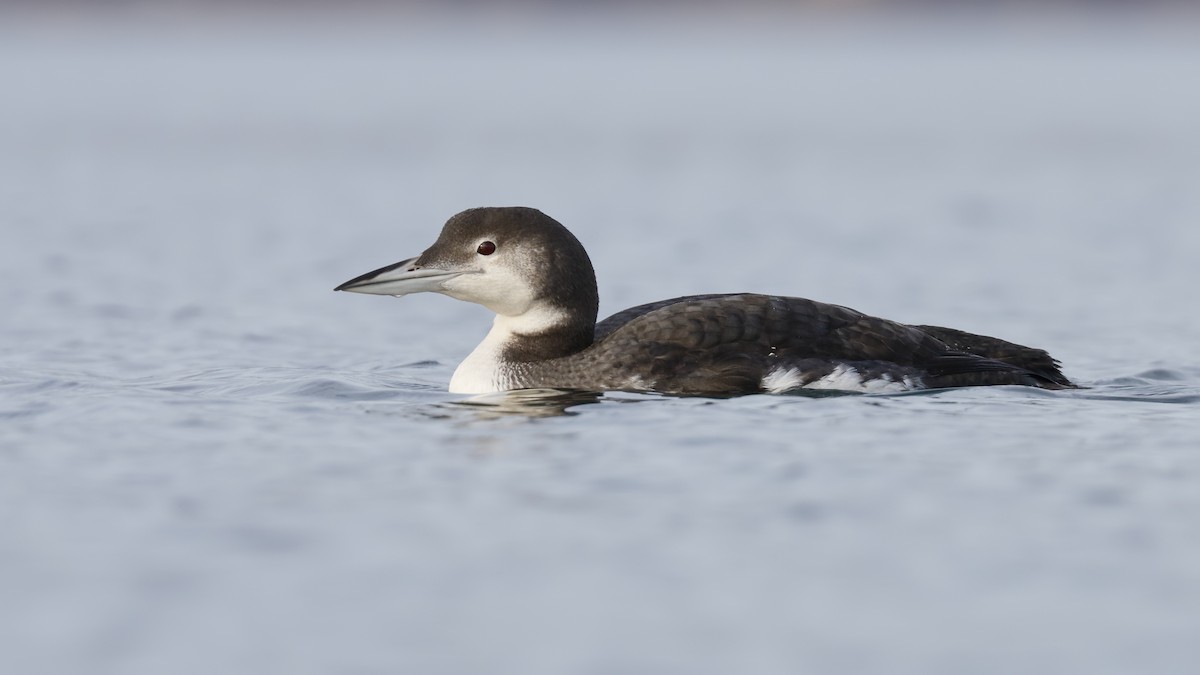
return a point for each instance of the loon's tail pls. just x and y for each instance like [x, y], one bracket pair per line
[1043, 368]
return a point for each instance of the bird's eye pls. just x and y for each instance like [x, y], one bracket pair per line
[486, 248]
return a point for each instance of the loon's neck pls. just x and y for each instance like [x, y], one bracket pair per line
[538, 335]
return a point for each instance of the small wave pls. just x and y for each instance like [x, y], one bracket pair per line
[1164, 375]
[427, 363]
[30, 410]
[1144, 396]
[337, 389]
[1156, 385]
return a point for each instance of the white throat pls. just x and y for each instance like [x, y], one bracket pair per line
[483, 371]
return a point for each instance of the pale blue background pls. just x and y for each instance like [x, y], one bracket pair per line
[209, 462]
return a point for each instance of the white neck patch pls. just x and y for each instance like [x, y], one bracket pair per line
[483, 371]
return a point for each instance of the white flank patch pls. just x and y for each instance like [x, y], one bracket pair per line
[843, 378]
[780, 380]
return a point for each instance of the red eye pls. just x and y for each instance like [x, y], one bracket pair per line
[486, 248]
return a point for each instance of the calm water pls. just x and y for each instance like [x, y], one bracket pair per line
[209, 462]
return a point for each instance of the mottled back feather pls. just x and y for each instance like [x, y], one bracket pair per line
[706, 343]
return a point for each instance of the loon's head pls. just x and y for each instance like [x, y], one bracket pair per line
[516, 261]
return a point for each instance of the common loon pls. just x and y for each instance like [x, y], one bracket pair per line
[536, 276]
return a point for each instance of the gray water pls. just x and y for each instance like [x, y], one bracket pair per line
[211, 463]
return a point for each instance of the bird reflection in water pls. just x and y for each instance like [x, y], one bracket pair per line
[530, 402]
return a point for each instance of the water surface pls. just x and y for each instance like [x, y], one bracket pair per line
[209, 462]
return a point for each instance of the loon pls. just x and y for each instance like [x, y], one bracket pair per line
[536, 276]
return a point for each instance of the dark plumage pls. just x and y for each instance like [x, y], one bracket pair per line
[702, 344]
[728, 344]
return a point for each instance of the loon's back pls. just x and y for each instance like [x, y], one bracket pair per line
[746, 342]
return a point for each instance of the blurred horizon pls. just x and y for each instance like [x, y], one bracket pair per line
[217, 8]
[748, 21]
